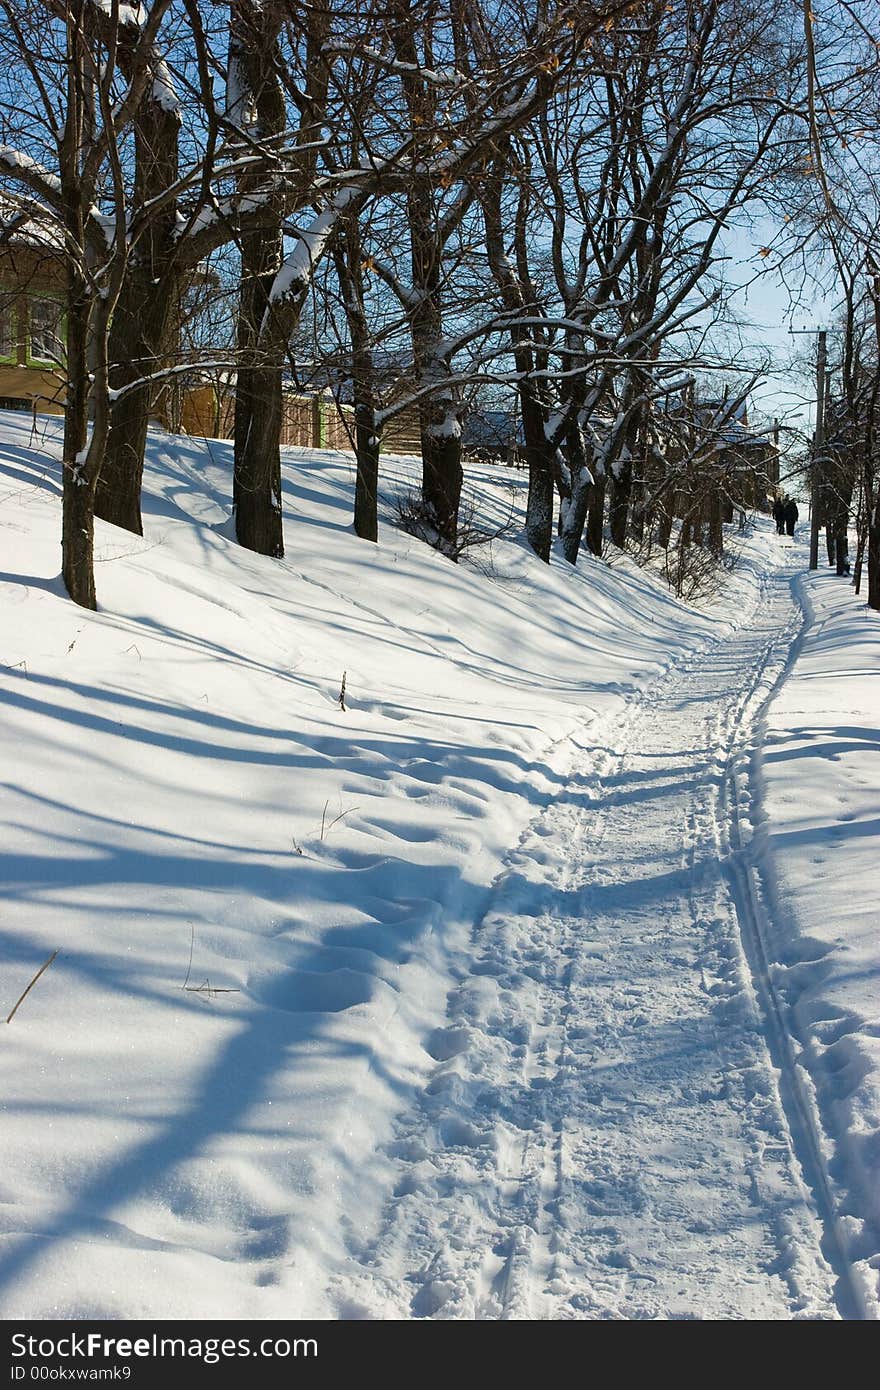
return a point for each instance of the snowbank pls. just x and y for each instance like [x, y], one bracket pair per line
[260, 900]
[821, 773]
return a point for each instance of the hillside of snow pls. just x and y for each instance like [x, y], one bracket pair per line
[262, 900]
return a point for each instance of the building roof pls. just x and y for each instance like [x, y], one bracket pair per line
[24, 224]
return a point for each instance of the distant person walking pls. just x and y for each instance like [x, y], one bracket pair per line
[791, 515]
[779, 516]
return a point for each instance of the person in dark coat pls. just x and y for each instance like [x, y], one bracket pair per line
[791, 515]
[779, 516]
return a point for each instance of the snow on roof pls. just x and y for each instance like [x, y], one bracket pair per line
[24, 223]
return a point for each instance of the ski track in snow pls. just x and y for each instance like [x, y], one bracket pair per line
[616, 1127]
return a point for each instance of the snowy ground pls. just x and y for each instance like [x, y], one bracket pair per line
[523, 947]
[817, 825]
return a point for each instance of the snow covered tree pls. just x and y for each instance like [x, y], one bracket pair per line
[147, 310]
[832, 209]
[635, 169]
[69, 103]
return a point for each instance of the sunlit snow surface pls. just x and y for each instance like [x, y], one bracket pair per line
[275, 917]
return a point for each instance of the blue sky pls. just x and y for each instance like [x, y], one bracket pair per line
[770, 308]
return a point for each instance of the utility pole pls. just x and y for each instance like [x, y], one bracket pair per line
[818, 438]
[818, 449]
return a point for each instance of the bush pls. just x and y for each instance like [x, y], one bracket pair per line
[415, 517]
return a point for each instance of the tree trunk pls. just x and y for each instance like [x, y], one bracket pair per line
[843, 500]
[254, 65]
[442, 473]
[664, 518]
[637, 521]
[347, 255]
[841, 542]
[582, 495]
[540, 452]
[539, 508]
[77, 488]
[596, 516]
[78, 492]
[715, 532]
[146, 321]
[438, 416]
[142, 326]
[256, 479]
[442, 477]
[621, 490]
[582, 490]
[366, 488]
[87, 334]
[118, 493]
[540, 455]
[874, 559]
[78, 537]
[258, 518]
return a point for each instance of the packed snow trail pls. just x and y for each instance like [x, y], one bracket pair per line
[614, 1128]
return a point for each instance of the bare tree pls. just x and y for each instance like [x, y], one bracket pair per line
[75, 105]
[833, 210]
[616, 267]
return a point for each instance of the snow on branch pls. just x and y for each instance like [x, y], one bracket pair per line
[29, 171]
[39, 180]
[298, 267]
[436, 77]
[182, 369]
[162, 89]
[129, 16]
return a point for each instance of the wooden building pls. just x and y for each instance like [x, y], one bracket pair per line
[32, 359]
[32, 373]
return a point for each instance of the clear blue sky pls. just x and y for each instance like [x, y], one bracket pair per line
[772, 305]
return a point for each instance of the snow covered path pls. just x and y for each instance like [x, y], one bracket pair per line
[276, 1070]
[613, 1128]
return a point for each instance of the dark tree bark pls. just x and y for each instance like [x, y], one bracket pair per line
[265, 325]
[347, 255]
[874, 559]
[664, 518]
[583, 490]
[714, 529]
[440, 427]
[620, 462]
[78, 474]
[254, 61]
[596, 516]
[540, 452]
[870, 483]
[258, 524]
[366, 489]
[442, 473]
[256, 485]
[78, 487]
[88, 380]
[618, 511]
[95, 272]
[637, 516]
[146, 322]
[540, 460]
